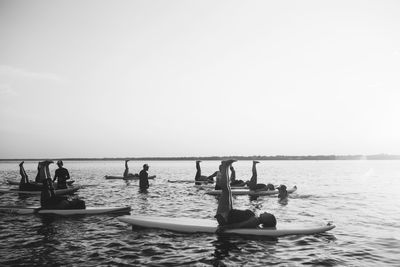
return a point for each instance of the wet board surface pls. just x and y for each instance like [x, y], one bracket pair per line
[13, 182]
[57, 192]
[88, 210]
[189, 225]
[111, 177]
[238, 192]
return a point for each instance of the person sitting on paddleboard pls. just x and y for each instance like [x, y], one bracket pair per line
[126, 172]
[199, 177]
[48, 198]
[228, 217]
[144, 178]
[24, 183]
[62, 175]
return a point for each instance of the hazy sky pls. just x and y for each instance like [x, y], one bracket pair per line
[199, 78]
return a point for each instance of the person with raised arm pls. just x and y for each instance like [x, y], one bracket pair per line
[229, 218]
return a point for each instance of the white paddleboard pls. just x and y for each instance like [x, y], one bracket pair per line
[190, 181]
[58, 192]
[249, 192]
[88, 210]
[188, 225]
[13, 182]
[112, 177]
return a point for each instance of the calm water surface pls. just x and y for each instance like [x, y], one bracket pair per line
[360, 197]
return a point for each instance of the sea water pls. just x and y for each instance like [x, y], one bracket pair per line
[360, 197]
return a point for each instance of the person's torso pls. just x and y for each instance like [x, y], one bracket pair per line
[62, 174]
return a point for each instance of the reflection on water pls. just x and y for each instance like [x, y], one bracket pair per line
[352, 194]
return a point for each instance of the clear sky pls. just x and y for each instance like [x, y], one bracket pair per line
[199, 78]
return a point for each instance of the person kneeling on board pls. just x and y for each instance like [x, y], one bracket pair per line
[24, 183]
[48, 198]
[229, 218]
[202, 178]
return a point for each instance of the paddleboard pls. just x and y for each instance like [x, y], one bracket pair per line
[190, 181]
[188, 225]
[58, 192]
[11, 182]
[208, 186]
[110, 177]
[87, 211]
[239, 192]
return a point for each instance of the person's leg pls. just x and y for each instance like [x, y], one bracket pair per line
[225, 200]
[198, 170]
[253, 179]
[24, 176]
[126, 172]
[47, 170]
[233, 174]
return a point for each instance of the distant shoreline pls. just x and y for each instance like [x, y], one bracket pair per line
[278, 157]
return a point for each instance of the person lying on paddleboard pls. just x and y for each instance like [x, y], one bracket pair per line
[37, 178]
[48, 198]
[228, 217]
[127, 173]
[253, 185]
[235, 182]
[25, 184]
[62, 175]
[200, 177]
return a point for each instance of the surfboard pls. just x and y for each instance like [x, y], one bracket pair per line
[239, 192]
[11, 182]
[111, 177]
[208, 186]
[188, 225]
[189, 181]
[69, 190]
[87, 211]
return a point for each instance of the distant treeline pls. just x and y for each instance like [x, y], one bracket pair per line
[278, 157]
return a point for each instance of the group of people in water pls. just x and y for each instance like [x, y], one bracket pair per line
[143, 176]
[251, 184]
[226, 215]
[45, 184]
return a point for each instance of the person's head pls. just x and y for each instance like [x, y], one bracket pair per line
[282, 188]
[145, 167]
[267, 219]
[60, 163]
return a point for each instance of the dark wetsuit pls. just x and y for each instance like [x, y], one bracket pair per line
[49, 200]
[62, 175]
[235, 216]
[143, 180]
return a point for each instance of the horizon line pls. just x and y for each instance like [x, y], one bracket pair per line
[254, 157]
